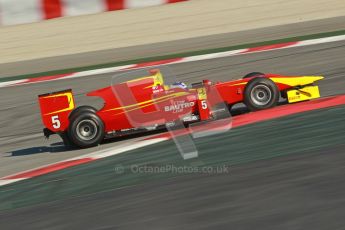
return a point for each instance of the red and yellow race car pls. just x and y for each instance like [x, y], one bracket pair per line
[147, 103]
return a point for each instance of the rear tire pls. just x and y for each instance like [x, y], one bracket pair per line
[86, 129]
[83, 108]
[261, 93]
[65, 138]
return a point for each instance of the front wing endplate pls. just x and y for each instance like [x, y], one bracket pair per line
[303, 94]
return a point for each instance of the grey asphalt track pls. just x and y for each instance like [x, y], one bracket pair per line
[295, 192]
[236, 201]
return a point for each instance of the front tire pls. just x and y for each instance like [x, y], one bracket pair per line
[261, 93]
[86, 129]
[254, 74]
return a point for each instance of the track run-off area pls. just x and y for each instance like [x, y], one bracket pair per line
[274, 164]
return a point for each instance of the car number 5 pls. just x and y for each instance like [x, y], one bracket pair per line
[56, 122]
[204, 104]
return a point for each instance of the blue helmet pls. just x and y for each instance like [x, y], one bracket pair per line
[179, 84]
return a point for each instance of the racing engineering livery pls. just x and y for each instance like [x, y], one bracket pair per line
[147, 103]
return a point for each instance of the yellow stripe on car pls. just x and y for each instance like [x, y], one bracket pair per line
[70, 102]
[296, 81]
[144, 104]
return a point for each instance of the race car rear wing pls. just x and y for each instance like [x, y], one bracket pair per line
[55, 109]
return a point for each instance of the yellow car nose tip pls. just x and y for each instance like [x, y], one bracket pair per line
[315, 78]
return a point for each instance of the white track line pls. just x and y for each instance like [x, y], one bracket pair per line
[184, 60]
[112, 151]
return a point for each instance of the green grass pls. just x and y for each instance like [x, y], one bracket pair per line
[176, 55]
[296, 134]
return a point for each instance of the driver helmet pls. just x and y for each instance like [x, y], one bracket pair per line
[179, 84]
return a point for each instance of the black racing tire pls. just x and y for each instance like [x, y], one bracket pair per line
[65, 138]
[254, 74]
[83, 108]
[261, 93]
[86, 129]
